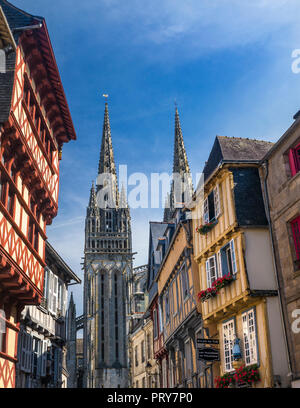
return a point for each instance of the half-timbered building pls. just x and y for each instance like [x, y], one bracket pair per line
[34, 124]
[157, 230]
[178, 280]
[239, 292]
[42, 345]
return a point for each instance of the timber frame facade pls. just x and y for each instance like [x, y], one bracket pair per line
[178, 280]
[34, 124]
[239, 296]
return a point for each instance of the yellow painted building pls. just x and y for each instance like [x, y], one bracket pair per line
[238, 297]
[178, 281]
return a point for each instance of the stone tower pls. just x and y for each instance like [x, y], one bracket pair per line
[107, 270]
[182, 185]
[71, 344]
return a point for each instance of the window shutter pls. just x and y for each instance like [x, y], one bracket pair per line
[29, 354]
[217, 201]
[233, 257]
[50, 290]
[216, 268]
[55, 294]
[219, 264]
[44, 358]
[296, 235]
[293, 163]
[206, 211]
[208, 274]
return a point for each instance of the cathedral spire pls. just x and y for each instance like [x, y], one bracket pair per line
[180, 164]
[180, 194]
[107, 163]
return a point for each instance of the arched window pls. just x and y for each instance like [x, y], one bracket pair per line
[2, 331]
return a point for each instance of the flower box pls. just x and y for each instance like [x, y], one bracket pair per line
[204, 229]
[216, 287]
[242, 376]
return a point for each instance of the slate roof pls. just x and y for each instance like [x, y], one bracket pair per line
[18, 18]
[235, 149]
[157, 230]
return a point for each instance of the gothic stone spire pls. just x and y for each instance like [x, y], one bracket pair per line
[180, 164]
[107, 162]
[180, 167]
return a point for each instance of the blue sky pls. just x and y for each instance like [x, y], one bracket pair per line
[227, 63]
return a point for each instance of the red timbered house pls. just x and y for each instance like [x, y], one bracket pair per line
[35, 122]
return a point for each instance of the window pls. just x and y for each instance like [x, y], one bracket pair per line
[228, 339]
[2, 331]
[249, 333]
[148, 346]
[212, 206]
[188, 360]
[155, 324]
[185, 282]
[294, 157]
[211, 271]
[295, 224]
[167, 307]
[217, 201]
[143, 382]
[143, 351]
[26, 353]
[136, 356]
[228, 259]
[36, 354]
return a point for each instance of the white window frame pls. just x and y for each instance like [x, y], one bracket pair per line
[233, 257]
[217, 202]
[211, 277]
[229, 334]
[250, 337]
[206, 211]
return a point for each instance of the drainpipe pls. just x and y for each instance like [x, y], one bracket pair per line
[268, 213]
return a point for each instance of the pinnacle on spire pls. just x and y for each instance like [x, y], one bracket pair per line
[167, 215]
[123, 199]
[93, 200]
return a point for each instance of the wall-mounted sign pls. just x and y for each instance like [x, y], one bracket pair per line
[207, 341]
[208, 354]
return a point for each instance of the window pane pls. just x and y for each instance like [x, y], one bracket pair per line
[296, 235]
